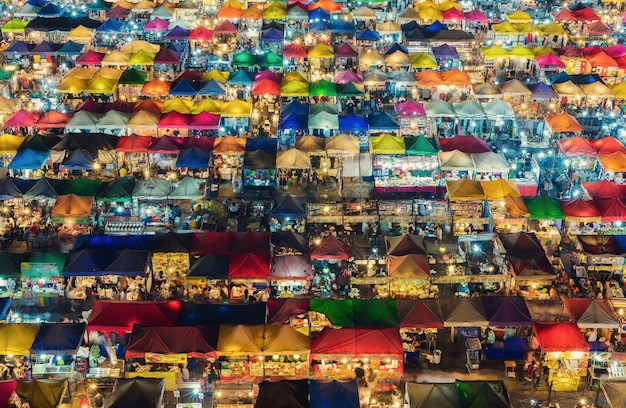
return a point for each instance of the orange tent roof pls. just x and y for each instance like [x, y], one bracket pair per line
[614, 162]
[229, 145]
[456, 77]
[229, 11]
[327, 5]
[156, 87]
[72, 206]
[428, 78]
[563, 122]
[601, 59]
[149, 105]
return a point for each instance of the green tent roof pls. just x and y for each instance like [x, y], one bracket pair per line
[323, 88]
[84, 187]
[37, 272]
[243, 59]
[270, 59]
[14, 26]
[4, 75]
[117, 190]
[133, 77]
[357, 312]
[544, 208]
[350, 89]
[11, 264]
[419, 146]
[98, 5]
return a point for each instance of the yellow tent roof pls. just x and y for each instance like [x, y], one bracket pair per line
[142, 57]
[430, 14]
[397, 58]
[528, 28]
[80, 34]
[140, 45]
[493, 52]
[449, 5]
[619, 90]
[125, 4]
[237, 109]
[240, 340]
[515, 206]
[388, 144]
[294, 88]
[233, 3]
[551, 28]
[82, 73]
[72, 85]
[100, 85]
[499, 188]
[17, 338]
[371, 57]
[144, 5]
[423, 60]
[522, 52]
[115, 58]
[465, 190]
[255, 11]
[108, 73]
[519, 16]
[219, 76]
[321, 50]
[143, 119]
[504, 28]
[208, 105]
[275, 11]
[543, 50]
[10, 143]
[294, 75]
[426, 4]
[180, 105]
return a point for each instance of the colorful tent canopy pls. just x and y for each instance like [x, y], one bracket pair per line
[560, 337]
[121, 316]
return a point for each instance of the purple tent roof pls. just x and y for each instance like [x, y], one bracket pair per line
[177, 33]
[445, 51]
[505, 311]
[347, 76]
[167, 57]
[156, 24]
[346, 51]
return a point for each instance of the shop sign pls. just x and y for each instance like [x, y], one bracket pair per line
[166, 358]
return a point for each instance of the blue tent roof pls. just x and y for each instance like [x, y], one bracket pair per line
[193, 158]
[415, 34]
[333, 393]
[560, 78]
[50, 10]
[396, 47]
[261, 143]
[272, 35]
[110, 26]
[342, 26]
[78, 159]
[183, 87]
[319, 14]
[38, 3]
[70, 48]
[128, 262]
[177, 33]
[318, 26]
[410, 26]
[367, 35]
[58, 338]
[288, 207]
[586, 79]
[113, 243]
[296, 107]
[8, 189]
[353, 123]
[436, 26]
[193, 314]
[383, 121]
[212, 87]
[29, 159]
[5, 304]
[241, 77]
[86, 262]
[294, 121]
[19, 48]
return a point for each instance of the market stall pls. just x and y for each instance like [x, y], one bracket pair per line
[565, 353]
[467, 206]
[55, 348]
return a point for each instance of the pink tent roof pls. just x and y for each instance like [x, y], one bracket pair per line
[549, 60]
[204, 120]
[174, 119]
[585, 14]
[616, 51]
[576, 146]
[466, 144]
[410, 109]
[267, 74]
[226, 27]
[90, 58]
[346, 51]
[453, 14]
[167, 57]
[351, 342]
[156, 24]
[564, 15]
[165, 145]
[347, 76]
[201, 34]
[22, 118]
[476, 16]
[90, 105]
[296, 51]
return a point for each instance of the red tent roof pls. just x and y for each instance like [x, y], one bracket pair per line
[201, 34]
[249, 266]
[602, 189]
[214, 243]
[296, 51]
[90, 105]
[330, 249]
[453, 15]
[425, 314]
[608, 145]
[564, 14]
[174, 119]
[357, 342]
[585, 14]
[110, 315]
[612, 209]
[194, 341]
[577, 307]
[279, 310]
[466, 144]
[562, 336]
[199, 142]
[7, 388]
[576, 146]
[251, 242]
[204, 120]
[265, 86]
[133, 144]
[53, 119]
[165, 145]
[580, 208]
